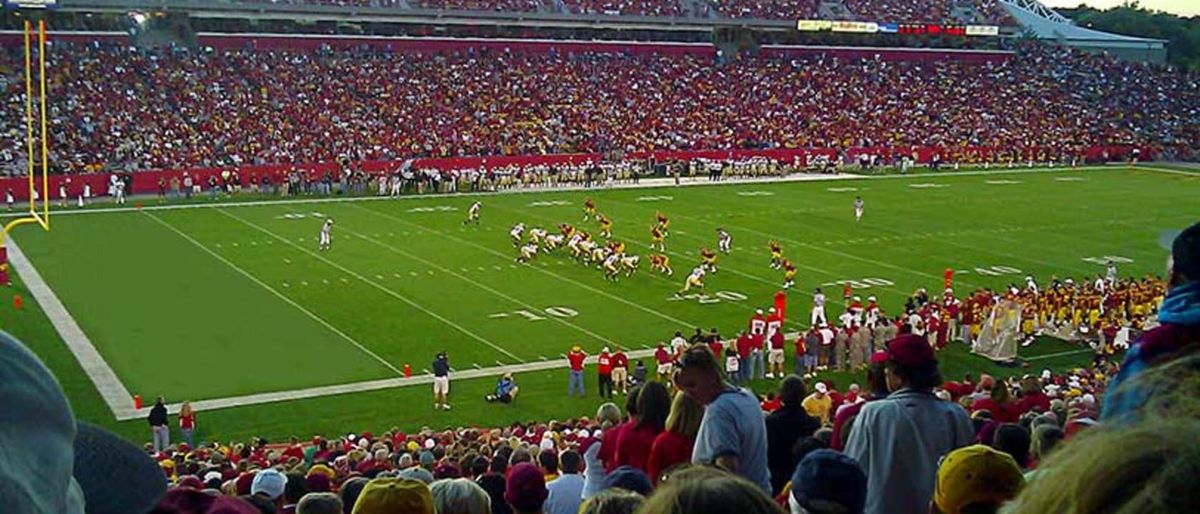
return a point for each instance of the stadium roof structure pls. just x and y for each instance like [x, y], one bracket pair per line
[1044, 23]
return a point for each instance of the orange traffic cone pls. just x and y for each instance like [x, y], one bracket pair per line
[17, 301]
[407, 371]
[137, 401]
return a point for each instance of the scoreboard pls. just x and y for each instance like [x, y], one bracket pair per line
[867, 27]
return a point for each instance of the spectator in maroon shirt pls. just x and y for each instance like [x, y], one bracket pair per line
[999, 403]
[1032, 397]
[674, 444]
[608, 446]
[745, 344]
[634, 442]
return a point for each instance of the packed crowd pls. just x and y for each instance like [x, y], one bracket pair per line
[890, 11]
[128, 110]
[690, 443]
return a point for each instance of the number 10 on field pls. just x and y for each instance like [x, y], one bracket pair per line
[556, 311]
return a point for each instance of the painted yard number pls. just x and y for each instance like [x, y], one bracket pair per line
[729, 296]
[995, 271]
[1103, 260]
[863, 283]
[556, 311]
[300, 216]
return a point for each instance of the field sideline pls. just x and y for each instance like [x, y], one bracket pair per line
[234, 301]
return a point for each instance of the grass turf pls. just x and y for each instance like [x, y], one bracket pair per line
[161, 295]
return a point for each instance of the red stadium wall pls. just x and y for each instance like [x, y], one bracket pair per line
[146, 182]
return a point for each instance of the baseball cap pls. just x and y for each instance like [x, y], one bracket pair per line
[976, 474]
[1185, 250]
[825, 478]
[388, 495]
[628, 478]
[55, 463]
[526, 487]
[821, 387]
[910, 351]
[269, 482]
[879, 357]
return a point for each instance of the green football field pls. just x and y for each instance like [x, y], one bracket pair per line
[213, 304]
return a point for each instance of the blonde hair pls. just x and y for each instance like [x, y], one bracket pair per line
[185, 409]
[709, 493]
[685, 416]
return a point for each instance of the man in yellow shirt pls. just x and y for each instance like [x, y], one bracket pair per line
[819, 404]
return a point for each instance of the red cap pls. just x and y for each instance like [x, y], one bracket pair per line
[910, 351]
[879, 357]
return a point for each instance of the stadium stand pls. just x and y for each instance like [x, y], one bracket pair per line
[133, 110]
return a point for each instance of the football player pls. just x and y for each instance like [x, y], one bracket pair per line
[661, 263]
[776, 254]
[325, 238]
[724, 241]
[473, 214]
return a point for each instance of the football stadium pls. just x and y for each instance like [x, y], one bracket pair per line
[598, 256]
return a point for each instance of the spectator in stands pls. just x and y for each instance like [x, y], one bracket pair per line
[613, 501]
[187, 423]
[628, 478]
[899, 440]
[1013, 440]
[609, 418]
[975, 479]
[999, 403]
[349, 493]
[732, 433]
[827, 482]
[320, 503]
[494, 482]
[1164, 346]
[785, 426]
[547, 458]
[634, 442]
[158, 425]
[1045, 439]
[441, 381]
[270, 485]
[575, 362]
[389, 495]
[843, 420]
[709, 493]
[459, 496]
[566, 491]
[819, 404]
[674, 444]
[506, 390]
[294, 489]
[525, 490]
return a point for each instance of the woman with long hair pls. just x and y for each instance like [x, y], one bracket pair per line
[674, 444]
[187, 422]
[633, 443]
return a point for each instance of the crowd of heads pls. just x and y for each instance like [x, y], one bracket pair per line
[123, 109]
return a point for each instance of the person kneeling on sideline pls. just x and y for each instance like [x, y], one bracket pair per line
[506, 390]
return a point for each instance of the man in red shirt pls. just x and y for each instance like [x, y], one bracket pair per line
[775, 356]
[575, 379]
[664, 360]
[745, 343]
[715, 344]
[604, 368]
[620, 372]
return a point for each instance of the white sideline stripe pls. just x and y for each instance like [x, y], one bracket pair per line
[482, 286]
[111, 389]
[363, 279]
[1059, 354]
[273, 291]
[551, 273]
[649, 183]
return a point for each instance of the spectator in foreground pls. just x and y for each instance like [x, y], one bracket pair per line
[898, 440]
[609, 417]
[1045, 439]
[710, 493]
[674, 444]
[319, 503]
[785, 426]
[827, 482]
[270, 484]
[566, 491]
[613, 501]
[1178, 336]
[976, 479]
[732, 433]
[459, 496]
[525, 489]
[843, 419]
[349, 493]
[634, 442]
[819, 404]
[390, 495]
[1013, 440]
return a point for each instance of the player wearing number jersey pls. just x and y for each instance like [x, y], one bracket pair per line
[629, 264]
[663, 223]
[789, 274]
[473, 214]
[708, 258]
[656, 238]
[695, 279]
[517, 231]
[661, 263]
[566, 229]
[537, 235]
[724, 241]
[552, 242]
[589, 209]
[817, 318]
[325, 238]
[527, 252]
[605, 226]
[610, 266]
[858, 208]
[776, 254]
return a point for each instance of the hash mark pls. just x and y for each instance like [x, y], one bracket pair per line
[304, 282]
[235, 245]
[378, 276]
[285, 284]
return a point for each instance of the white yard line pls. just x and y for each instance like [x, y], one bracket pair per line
[275, 292]
[1059, 354]
[649, 183]
[374, 284]
[107, 384]
[537, 268]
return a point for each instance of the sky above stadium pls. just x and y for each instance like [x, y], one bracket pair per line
[1181, 7]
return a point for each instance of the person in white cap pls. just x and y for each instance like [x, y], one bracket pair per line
[269, 483]
[819, 404]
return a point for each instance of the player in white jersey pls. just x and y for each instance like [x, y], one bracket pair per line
[630, 264]
[537, 235]
[573, 243]
[858, 208]
[1031, 286]
[516, 233]
[473, 214]
[818, 310]
[696, 279]
[600, 254]
[1111, 273]
[553, 241]
[325, 238]
[527, 252]
[610, 266]
[724, 241]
